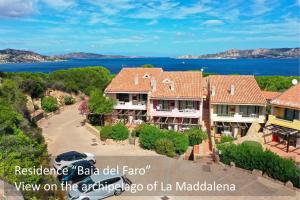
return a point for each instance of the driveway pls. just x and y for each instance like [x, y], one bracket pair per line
[64, 132]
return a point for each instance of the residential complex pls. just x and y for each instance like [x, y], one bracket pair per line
[235, 103]
[284, 120]
[171, 100]
[180, 100]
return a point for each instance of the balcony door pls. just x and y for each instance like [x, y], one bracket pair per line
[222, 110]
[123, 97]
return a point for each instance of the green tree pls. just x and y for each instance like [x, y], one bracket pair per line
[33, 87]
[100, 105]
[147, 66]
[9, 119]
[80, 79]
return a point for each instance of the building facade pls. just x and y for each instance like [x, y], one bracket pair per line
[171, 100]
[235, 102]
[284, 120]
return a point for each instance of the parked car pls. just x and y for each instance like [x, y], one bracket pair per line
[99, 186]
[68, 158]
[77, 172]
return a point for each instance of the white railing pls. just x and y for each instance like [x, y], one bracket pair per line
[138, 105]
[238, 117]
[176, 113]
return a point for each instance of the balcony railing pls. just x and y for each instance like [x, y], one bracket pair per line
[134, 105]
[176, 113]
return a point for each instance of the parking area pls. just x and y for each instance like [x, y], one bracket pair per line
[64, 132]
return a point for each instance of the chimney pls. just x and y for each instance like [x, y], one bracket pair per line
[172, 86]
[136, 79]
[213, 91]
[153, 84]
[232, 89]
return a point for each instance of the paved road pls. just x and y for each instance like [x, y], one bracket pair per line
[64, 132]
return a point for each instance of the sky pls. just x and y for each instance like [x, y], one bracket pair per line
[148, 27]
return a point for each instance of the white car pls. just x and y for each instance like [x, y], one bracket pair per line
[66, 159]
[99, 186]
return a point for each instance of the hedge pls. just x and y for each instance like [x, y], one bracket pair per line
[150, 134]
[253, 157]
[165, 147]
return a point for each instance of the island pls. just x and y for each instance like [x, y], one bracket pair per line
[251, 53]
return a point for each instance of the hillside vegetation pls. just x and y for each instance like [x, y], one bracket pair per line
[21, 141]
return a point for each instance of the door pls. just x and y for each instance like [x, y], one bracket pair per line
[275, 138]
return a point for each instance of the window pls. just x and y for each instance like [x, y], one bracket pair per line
[290, 114]
[246, 111]
[123, 97]
[222, 110]
[164, 105]
[187, 105]
[143, 97]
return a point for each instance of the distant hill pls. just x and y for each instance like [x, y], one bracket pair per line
[82, 55]
[22, 56]
[251, 53]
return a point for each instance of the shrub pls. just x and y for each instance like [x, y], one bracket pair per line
[119, 132]
[49, 104]
[148, 136]
[68, 100]
[106, 132]
[252, 144]
[133, 134]
[138, 129]
[226, 138]
[180, 140]
[165, 147]
[253, 157]
[196, 136]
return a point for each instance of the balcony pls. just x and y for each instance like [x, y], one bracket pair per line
[238, 117]
[186, 113]
[295, 124]
[131, 105]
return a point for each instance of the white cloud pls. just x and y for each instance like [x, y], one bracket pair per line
[213, 22]
[260, 7]
[16, 8]
[152, 22]
[100, 19]
[60, 4]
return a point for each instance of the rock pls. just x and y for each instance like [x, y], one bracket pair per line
[232, 164]
[289, 184]
[29, 104]
[257, 172]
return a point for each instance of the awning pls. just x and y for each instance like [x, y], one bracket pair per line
[283, 132]
[241, 125]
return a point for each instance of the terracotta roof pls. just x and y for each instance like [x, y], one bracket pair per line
[125, 80]
[168, 84]
[289, 98]
[270, 95]
[186, 85]
[245, 90]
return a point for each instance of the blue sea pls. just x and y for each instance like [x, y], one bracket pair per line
[285, 67]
